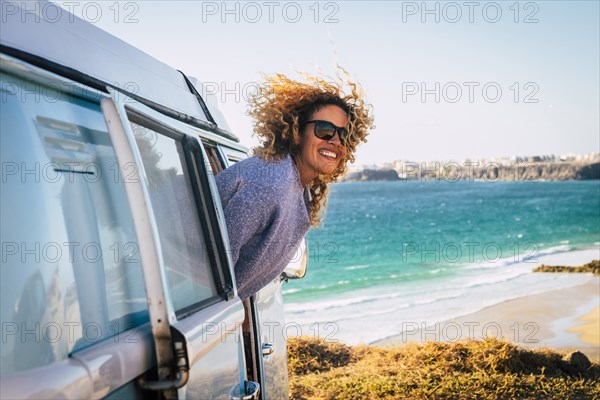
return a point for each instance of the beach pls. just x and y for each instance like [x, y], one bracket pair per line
[564, 319]
[503, 300]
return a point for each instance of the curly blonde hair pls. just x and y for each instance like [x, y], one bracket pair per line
[280, 108]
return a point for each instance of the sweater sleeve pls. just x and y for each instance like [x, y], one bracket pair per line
[248, 207]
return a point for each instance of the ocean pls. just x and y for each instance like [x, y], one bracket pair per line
[392, 255]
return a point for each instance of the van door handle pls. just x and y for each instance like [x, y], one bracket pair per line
[267, 349]
[250, 391]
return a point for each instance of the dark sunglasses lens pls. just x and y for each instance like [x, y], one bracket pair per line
[324, 130]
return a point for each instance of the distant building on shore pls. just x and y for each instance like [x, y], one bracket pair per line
[546, 167]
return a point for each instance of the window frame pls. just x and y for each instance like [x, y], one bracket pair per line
[196, 163]
[80, 374]
[229, 154]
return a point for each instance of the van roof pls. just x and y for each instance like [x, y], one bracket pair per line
[43, 33]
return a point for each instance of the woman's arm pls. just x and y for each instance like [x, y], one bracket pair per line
[247, 206]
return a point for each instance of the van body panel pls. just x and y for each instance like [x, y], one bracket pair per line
[68, 379]
[213, 339]
[118, 360]
[272, 334]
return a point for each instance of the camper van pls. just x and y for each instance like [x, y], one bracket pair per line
[116, 279]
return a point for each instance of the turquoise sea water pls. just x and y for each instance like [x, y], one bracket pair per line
[391, 246]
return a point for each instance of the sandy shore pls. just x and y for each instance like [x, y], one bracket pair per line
[563, 319]
[589, 327]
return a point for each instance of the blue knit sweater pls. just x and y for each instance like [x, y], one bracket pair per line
[266, 212]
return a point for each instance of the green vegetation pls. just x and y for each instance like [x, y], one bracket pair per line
[488, 369]
[593, 267]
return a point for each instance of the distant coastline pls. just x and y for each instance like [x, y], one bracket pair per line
[490, 171]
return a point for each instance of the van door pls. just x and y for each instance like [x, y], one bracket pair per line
[199, 286]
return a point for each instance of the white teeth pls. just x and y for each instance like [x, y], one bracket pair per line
[328, 153]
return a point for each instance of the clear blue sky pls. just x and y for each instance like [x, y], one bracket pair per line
[396, 49]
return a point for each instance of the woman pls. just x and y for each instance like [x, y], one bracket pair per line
[308, 131]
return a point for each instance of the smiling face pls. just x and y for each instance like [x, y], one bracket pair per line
[318, 156]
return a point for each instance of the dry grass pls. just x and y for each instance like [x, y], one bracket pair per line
[488, 369]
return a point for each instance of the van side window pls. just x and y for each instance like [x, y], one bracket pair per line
[188, 266]
[213, 158]
[70, 273]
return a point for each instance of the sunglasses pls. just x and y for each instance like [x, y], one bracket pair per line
[326, 130]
